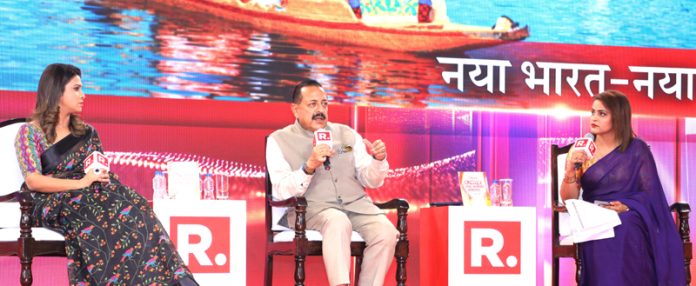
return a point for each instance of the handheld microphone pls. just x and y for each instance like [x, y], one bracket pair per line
[97, 162]
[323, 136]
[587, 146]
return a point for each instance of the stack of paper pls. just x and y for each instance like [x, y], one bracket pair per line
[590, 222]
[184, 181]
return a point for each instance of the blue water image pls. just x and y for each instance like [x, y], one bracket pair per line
[154, 49]
[642, 23]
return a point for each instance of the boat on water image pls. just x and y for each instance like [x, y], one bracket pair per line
[336, 22]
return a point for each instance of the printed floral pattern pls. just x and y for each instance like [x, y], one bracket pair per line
[112, 235]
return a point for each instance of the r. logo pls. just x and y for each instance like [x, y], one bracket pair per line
[492, 247]
[203, 242]
[324, 135]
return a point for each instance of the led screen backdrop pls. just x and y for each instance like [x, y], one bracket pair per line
[207, 80]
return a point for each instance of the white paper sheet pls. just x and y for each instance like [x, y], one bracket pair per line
[590, 222]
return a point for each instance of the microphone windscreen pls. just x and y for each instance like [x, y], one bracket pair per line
[323, 136]
[96, 161]
[586, 145]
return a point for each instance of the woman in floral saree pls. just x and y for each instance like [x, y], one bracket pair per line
[112, 235]
[646, 248]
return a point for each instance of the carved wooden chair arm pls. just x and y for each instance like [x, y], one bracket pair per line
[394, 204]
[682, 210]
[680, 207]
[291, 202]
[401, 207]
[560, 209]
[402, 246]
[11, 197]
[300, 205]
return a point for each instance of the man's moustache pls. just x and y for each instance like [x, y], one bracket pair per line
[319, 115]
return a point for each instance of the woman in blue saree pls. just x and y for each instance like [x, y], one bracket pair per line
[646, 248]
[112, 235]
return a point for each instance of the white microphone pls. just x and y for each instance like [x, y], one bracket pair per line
[97, 162]
[323, 136]
[587, 146]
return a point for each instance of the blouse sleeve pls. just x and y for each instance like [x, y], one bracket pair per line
[28, 148]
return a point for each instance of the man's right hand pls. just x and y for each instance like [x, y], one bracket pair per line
[319, 155]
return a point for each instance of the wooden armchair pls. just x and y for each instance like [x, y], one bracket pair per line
[302, 242]
[560, 216]
[17, 237]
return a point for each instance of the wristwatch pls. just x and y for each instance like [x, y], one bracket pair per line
[304, 169]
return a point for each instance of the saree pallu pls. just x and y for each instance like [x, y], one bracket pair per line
[112, 235]
[646, 248]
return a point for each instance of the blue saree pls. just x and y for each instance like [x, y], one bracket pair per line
[646, 249]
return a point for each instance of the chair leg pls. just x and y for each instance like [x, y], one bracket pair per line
[358, 267]
[299, 270]
[578, 264]
[555, 269]
[25, 258]
[26, 278]
[268, 273]
[687, 268]
[400, 270]
[401, 253]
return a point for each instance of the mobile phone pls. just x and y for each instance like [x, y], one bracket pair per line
[601, 203]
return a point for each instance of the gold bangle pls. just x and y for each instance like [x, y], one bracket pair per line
[568, 180]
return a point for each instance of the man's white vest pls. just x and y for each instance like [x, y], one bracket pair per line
[337, 187]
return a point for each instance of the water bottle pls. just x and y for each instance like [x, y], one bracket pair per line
[208, 187]
[506, 192]
[221, 187]
[495, 193]
[159, 186]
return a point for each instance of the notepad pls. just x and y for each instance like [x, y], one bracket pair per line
[590, 222]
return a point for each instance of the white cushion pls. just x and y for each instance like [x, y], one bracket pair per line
[10, 174]
[560, 174]
[564, 229]
[11, 180]
[10, 214]
[39, 234]
[312, 235]
[563, 218]
[276, 215]
[565, 240]
[288, 234]
[9, 225]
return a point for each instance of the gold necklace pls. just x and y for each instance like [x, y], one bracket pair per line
[601, 153]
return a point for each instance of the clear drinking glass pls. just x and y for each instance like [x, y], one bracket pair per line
[222, 187]
[506, 192]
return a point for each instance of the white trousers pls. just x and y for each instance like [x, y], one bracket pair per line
[379, 234]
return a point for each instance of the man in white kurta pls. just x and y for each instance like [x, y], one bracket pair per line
[337, 202]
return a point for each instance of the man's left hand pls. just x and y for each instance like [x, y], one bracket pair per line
[377, 149]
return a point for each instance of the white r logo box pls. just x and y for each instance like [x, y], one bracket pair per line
[210, 236]
[491, 246]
